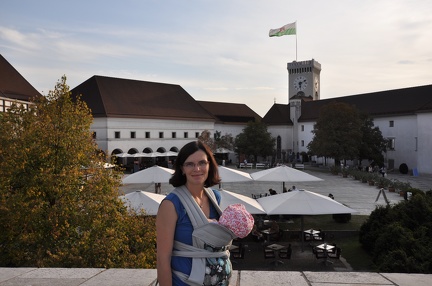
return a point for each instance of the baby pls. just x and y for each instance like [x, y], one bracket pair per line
[237, 219]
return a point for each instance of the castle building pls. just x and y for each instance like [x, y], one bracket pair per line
[132, 116]
[404, 116]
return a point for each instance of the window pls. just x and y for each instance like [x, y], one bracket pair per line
[302, 128]
[147, 135]
[117, 134]
[302, 143]
[185, 135]
[391, 123]
[196, 134]
[173, 135]
[391, 143]
[133, 134]
[161, 135]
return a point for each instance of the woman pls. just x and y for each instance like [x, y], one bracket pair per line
[195, 169]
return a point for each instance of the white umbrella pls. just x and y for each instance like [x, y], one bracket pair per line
[123, 155]
[229, 198]
[154, 174]
[229, 175]
[140, 200]
[170, 153]
[302, 203]
[222, 151]
[283, 174]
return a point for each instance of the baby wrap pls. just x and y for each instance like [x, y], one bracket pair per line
[205, 233]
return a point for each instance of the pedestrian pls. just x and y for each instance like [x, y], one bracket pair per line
[183, 258]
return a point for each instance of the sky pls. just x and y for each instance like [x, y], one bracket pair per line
[220, 50]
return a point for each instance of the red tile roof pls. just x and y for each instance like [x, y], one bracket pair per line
[230, 112]
[13, 85]
[116, 97]
[383, 103]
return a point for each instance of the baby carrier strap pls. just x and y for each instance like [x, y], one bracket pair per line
[204, 232]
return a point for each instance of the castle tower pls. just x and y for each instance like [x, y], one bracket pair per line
[304, 76]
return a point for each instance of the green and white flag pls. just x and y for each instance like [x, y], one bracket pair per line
[288, 29]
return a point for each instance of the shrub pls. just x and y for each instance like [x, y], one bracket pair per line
[398, 236]
[342, 218]
[403, 168]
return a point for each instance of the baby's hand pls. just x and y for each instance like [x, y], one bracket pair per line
[212, 220]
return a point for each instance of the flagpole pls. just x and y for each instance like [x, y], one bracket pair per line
[296, 39]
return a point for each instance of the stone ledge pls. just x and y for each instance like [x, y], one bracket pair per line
[115, 276]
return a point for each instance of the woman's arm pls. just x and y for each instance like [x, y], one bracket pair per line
[165, 228]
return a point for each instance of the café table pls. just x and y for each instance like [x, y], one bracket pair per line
[268, 232]
[326, 247]
[311, 233]
[276, 247]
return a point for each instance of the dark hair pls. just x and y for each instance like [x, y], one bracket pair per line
[178, 179]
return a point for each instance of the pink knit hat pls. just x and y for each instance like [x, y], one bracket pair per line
[237, 219]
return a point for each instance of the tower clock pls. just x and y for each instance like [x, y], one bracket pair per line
[304, 77]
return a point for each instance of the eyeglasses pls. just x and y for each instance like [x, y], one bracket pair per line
[191, 165]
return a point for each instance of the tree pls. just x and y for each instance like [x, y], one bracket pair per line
[373, 144]
[223, 141]
[58, 206]
[337, 132]
[207, 139]
[255, 140]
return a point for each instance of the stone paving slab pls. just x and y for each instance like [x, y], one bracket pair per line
[113, 277]
[147, 277]
[273, 278]
[404, 279]
[346, 278]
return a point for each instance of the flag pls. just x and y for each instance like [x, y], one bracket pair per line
[288, 29]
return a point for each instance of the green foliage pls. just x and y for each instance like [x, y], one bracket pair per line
[343, 133]
[58, 206]
[337, 132]
[398, 236]
[255, 140]
[372, 144]
[403, 168]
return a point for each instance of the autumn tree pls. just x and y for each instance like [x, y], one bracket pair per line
[255, 140]
[58, 206]
[337, 132]
[207, 139]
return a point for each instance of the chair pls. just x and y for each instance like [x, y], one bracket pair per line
[269, 253]
[320, 236]
[319, 253]
[238, 253]
[335, 253]
[286, 252]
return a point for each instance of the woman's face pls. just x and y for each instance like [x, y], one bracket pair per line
[196, 168]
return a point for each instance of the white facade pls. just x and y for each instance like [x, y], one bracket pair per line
[152, 134]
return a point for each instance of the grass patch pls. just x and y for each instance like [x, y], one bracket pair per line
[355, 255]
[352, 250]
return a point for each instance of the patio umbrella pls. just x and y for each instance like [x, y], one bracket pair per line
[229, 175]
[229, 198]
[302, 203]
[283, 174]
[170, 153]
[123, 155]
[140, 200]
[222, 151]
[154, 174]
